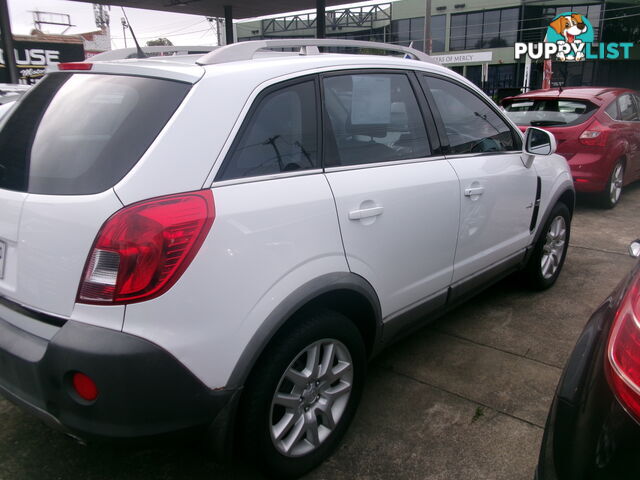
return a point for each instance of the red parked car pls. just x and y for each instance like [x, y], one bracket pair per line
[597, 130]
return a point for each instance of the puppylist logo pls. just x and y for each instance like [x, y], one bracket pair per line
[570, 38]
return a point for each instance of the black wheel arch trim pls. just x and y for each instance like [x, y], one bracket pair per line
[298, 299]
[564, 190]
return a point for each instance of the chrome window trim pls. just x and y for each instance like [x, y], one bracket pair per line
[360, 166]
[483, 154]
[263, 178]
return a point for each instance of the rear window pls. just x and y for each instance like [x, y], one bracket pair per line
[77, 134]
[549, 112]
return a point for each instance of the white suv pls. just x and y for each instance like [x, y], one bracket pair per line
[223, 240]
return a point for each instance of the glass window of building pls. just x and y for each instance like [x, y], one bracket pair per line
[489, 29]
[438, 28]
[408, 30]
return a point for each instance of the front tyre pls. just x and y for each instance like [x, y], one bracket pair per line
[550, 250]
[303, 394]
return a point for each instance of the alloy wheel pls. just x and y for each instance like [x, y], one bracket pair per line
[553, 248]
[615, 186]
[311, 397]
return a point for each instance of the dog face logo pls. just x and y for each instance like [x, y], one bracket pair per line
[570, 28]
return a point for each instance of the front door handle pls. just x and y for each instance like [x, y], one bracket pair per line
[468, 192]
[365, 212]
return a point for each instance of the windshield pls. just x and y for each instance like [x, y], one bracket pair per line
[549, 112]
[76, 134]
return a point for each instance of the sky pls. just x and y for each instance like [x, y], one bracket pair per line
[181, 29]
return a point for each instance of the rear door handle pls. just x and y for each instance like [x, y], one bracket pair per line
[473, 191]
[365, 213]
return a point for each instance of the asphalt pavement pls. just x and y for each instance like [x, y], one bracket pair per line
[464, 398]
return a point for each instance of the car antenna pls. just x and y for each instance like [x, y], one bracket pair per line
[141, 54]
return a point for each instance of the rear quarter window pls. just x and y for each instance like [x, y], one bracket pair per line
[77, 134]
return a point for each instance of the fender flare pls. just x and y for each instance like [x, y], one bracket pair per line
[564, 187]
[300, 297]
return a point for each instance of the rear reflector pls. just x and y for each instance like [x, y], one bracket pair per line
[623, 352]
[75, 66]
[84, 386]
[143, 249]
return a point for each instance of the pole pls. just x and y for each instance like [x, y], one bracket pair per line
[427, 27]
[321, 18]
[6, 42]
[228, 24]
[124, 31]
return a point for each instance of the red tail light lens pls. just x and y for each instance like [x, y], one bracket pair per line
[143, 249]
[75, 66]
[596, 134]
[623, 352]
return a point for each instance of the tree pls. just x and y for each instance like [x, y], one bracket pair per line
[160, 42]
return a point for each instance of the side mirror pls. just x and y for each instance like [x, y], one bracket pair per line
[634, 249]
[537, 142]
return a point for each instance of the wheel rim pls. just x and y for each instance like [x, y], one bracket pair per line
[615, 189]
[553, 247]
[311, 397]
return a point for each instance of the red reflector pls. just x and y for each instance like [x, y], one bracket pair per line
[84, 386]
[143, 249]
[582, 180]
[623, 352]
[75, 66]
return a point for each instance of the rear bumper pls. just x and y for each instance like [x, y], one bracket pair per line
[590, 171]
[143, 390]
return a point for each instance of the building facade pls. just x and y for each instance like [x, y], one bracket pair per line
[476, 37]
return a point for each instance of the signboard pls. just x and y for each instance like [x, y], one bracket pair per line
[476, 57]
[32, 59]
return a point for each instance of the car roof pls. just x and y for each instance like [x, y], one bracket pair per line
[264, 66]
[597, 95]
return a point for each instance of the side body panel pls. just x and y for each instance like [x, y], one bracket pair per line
[268, 238]
[406, 252]
[495, 221]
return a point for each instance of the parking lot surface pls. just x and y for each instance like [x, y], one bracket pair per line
[465, 397]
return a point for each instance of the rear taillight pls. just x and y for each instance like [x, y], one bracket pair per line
[623, 352]
[143, 249]
[75, 66]
[596, 134]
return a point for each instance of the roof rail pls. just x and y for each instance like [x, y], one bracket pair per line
[124, 53]
[246, 50]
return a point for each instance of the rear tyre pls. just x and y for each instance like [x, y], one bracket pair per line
[550, 250]
[303, 394]
[610, 197]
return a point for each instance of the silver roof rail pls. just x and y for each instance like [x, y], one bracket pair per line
[124, 53]
[246, 50]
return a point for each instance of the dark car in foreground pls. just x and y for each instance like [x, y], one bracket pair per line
[593, 429]
[597, 130]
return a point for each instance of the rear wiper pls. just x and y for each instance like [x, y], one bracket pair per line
[546, 123]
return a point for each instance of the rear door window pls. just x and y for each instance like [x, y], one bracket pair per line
[76, 134]
[628, 112]
[372, 118]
